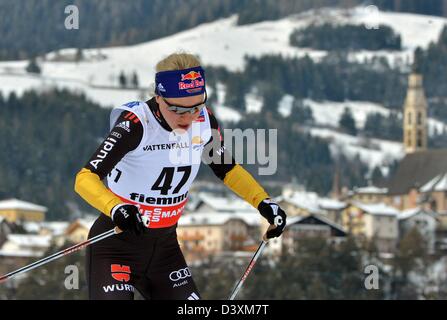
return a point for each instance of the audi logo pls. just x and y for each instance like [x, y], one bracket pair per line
[180, 274]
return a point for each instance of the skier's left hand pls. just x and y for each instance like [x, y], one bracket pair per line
[275, 216]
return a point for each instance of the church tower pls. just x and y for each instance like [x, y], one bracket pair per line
[415, 116]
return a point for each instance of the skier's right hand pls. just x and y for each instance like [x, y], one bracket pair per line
[127, 218]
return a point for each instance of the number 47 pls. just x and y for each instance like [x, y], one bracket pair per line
[167, 175]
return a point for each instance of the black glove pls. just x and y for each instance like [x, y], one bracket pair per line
[274, 215]
[127, 217]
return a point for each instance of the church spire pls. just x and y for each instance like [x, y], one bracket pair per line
[415, 115]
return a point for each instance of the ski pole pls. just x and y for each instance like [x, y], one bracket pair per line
[247, 271]
[61, 253]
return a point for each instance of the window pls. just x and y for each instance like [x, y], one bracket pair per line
[409, 117]
[419, 138]
[419, 118]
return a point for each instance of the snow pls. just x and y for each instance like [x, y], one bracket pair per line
[218, 43]
[405, 214]
[26, 240]
[438, 183]
[304, 200]
[373, 152]
[57, 228]
[213, 218]
[285, 105]
[330, 112]
[31, 226]
[371, 190]
[414, 29]
[377, 209]
[331, 204]
[22, 253]
[227, 114]
[20, 205]
[219, 203]
[253, 103]
[223, 43]
[223, 112]
[311, 201]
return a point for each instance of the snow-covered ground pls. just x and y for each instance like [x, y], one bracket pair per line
[224, 43]
[329, 113]
[218, 43]
[373, 152]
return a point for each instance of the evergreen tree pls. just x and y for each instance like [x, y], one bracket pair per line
[347, 122]
[79, 55]
[411, 256]
[122, 80]
[300, 113]
[135, 81]
[33, 67]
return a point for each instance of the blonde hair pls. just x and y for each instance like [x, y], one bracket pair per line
[178, 61]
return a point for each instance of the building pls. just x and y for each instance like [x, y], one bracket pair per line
[415, 116]
[210, 232]
[435, 193]
[7, 228]
[15, 210]
[415, 171]
[25, 245]
[423, 220]
[304, 203]
[19, 249]
[308, 227]
[420, 166]
[377, 222]
[207, 202]
[370, 194]
[78, 230]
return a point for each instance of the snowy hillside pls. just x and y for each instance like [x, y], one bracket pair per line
[223, 43]
[219, 43]
[373, 152]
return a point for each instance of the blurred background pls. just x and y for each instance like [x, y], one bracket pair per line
[356, 89]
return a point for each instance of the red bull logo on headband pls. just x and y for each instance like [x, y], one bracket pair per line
[193, 82]
[192, 75]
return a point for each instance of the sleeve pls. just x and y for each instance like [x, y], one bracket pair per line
[125, 136]
[234, 176]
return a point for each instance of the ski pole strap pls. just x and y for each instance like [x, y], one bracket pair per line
[247, 271]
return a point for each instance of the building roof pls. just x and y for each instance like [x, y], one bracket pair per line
[31, 226]
[23, 253]
[28, 240]
[56, 227]
[379, 209]
[371, 190]
[416, 169]
[221, 203]
[213, 218]
[303, 220]
[17, 204]
[304, 200]
[331, 204]
[312, 202]
[438, 183]
[409, 213]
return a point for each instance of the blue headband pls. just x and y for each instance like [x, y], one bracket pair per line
[180, 83]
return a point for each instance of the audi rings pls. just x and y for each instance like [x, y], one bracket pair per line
[180, 274]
